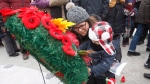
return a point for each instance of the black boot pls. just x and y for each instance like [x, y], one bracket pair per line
[147, 75]
[147, 64]
[124, 42]
[133, 53]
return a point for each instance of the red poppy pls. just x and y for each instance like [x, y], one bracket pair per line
[70, 34]
[59, 74]
[4, 11]
[66, 41]
[68, 50]
[42, 60]
[20, 15]
[9, 13]
[31, 22]
[76, 42]
[43, 14]
[123, 79]
[111, 79]
[57, 34]
[73, 38]
[46, 23]
[24, 9]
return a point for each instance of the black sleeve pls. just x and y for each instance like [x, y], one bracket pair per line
[76, 2]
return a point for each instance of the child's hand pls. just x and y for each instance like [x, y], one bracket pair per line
[89, 71]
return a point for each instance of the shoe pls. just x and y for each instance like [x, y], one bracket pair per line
[140, 42]
[147, 75]
[147, 49]
[14, 55]
[18, 50]
[133, 53]
[25, 56]
[147, 64]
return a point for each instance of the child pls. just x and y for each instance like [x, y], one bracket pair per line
[130, 12]
[100, 42]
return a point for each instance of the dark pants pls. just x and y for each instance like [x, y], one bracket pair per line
[9, 44]
[96, 81]
[23, 51]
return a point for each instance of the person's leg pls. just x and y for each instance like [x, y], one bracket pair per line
[101, 81]
[24, 53]
[134, 41]
[147, 64]
[9, 46]
[148, 41]
[91, 80]
[14, 43]
[143, 36]
[116, 44]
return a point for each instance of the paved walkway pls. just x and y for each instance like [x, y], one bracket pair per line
[15, 70]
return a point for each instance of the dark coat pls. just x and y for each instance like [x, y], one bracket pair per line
[143, 12]
[98, 7]
[101, 62]
[116, 18]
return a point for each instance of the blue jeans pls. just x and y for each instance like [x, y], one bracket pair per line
[136, 37]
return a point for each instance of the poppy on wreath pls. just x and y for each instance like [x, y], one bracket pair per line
[46, 23]
[55, 33]
[68, 50]
[31, 22]
[66, 41]
[59, 74]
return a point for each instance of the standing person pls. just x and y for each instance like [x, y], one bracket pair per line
[142, 16]
[98, 7]
[130, 12]
[104, 53]
[116, 20]
[8, 40]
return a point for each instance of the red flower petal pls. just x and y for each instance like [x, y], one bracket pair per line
[46, 23]
[68, 50]
[42, 60]
[59, 74]
[123, 79]
[57, 34]
[66, 41]
[112, 79]
[21, 15]
[10, 13]
[70, 34]
[43, 14]
[31, 22]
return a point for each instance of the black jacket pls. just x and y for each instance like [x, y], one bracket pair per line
[116, 18]
[101, 62]
[98, 7]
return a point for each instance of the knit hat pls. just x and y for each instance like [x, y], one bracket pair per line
[102, 32]
[76, 14]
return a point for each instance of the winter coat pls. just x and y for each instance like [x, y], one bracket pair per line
[1, 25]
[98, 7]
[14, 4]
[116, 18]
[143, 12]
[101, 62]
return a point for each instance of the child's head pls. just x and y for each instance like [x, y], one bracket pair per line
[101, 33]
